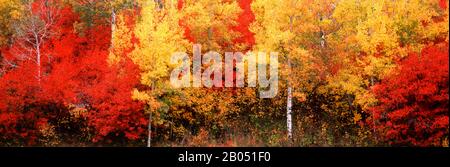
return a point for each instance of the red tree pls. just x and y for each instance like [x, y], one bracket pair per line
[244, 20]
[413, 103]
[75, 74]
[19, 115]
[84, 78]
[24, 110]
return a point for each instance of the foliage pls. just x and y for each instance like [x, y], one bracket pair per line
[413, 102]
[96, 72]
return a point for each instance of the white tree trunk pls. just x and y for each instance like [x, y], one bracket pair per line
[38, 56]
[33, 31]
[149, 137]
[289, 113]
[289, 92]
[38, 62]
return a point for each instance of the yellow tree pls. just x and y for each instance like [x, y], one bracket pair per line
[297, 30]
[272, 30]
[161, 31]
[10, 12]
[208, 24]
[372, 36]
[385, 32]
[159, 36]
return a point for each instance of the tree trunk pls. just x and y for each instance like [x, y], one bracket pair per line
[113, 26]
[38, 58]
[38, 64]
[289, 113]
[289, 93]
[149, 139]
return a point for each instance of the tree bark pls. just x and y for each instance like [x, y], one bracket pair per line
[289, 93]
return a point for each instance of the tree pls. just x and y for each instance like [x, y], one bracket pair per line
[97, 72]
[272, 30]
[304, 51]
[20, 118]
[217, 26]
[99, 12]
[10, 13]
[246, 37]
[101, 86]
[33, 30]
[413, 102]
[22, 79]
[384, 32]
[209, 23]
[178, 112]
[82, 98]
[159, 36]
